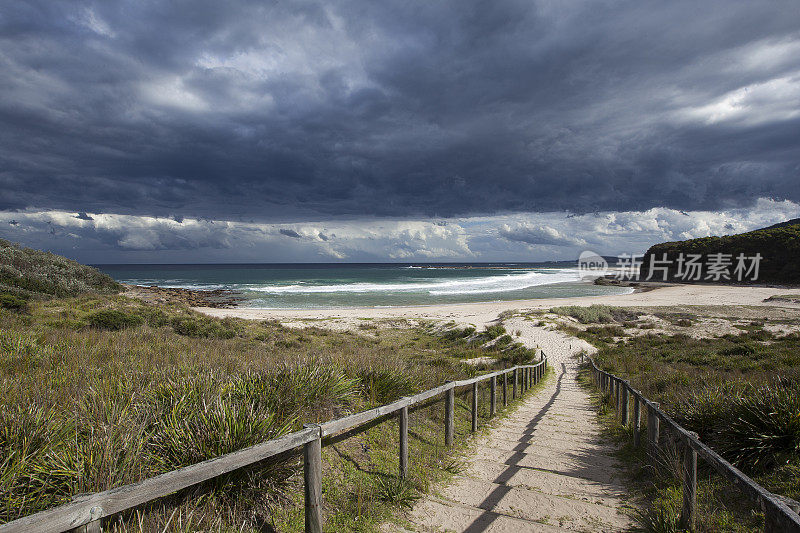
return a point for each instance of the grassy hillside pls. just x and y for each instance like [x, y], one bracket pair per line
[25, 272]
[779, 246]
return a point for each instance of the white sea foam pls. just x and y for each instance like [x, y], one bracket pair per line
[487, 284]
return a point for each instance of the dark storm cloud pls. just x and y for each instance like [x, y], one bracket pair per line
[290, 233]
[83, 216]
[268, 111]
[537, 234]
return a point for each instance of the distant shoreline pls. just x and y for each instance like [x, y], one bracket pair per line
[482, 313]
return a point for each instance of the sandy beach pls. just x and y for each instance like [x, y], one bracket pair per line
[480, 314]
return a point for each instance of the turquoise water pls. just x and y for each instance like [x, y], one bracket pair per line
[368, 285]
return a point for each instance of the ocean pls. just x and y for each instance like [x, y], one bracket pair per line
[281, 286]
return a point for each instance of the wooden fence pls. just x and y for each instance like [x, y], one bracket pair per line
[778, 517]
[85, 513]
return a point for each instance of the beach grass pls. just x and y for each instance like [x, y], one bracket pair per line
[739, 391]
[99, 391]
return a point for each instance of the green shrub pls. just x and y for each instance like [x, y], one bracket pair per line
[457, 334]
[13, 302]
[113, 319]
[503, 340]
[492, 332]
[606, 331]
[586, 315]
[739, 349]
[155, 317]
[517, 356]
[197, 326]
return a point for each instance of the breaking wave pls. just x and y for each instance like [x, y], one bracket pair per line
[487, 284]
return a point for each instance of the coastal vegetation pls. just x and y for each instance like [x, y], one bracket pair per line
[26, 273]
[98, 390]
[739, 389]
[778, 246]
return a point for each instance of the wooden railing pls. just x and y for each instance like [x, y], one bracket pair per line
[778, 517]
[85, 513]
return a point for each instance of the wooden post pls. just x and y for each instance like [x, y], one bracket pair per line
[475, 406]
[652, 432]
[637, 421]
[312, 472]
[492, 395]
[449, 423]
[505, 389]
[689, 487]
[623, 399]
[514, 385]
[403, 442]
[95, 513]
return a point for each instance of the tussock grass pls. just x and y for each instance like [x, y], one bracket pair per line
[740, 393]
[595, 313]
[101, 391]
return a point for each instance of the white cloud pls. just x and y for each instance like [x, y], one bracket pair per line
[516, 237]
[768, 101]
[172, 92]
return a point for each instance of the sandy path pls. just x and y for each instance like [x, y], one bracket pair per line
[483, 313]
[543, 468]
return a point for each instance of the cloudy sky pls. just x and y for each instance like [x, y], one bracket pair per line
[456, 130]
